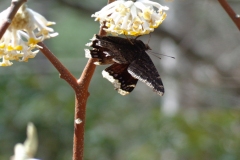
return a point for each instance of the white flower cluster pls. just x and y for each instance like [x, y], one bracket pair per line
[20, 40]
[131, 17]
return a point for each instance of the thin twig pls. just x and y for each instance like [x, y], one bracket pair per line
[110, 1]
[80, 105]
[15, 5]
[235, 17]
[80, 109]
[64, 73]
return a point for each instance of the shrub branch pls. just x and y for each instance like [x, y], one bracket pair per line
[235, 17]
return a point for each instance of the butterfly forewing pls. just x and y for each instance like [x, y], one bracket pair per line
[144, 70]
[116, 45]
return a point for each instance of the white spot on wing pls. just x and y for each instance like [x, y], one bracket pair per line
[161, 94]
[122, 92]
[94, 37]
[116, 83]
[89, 44]
[87, 53]
[97, 63]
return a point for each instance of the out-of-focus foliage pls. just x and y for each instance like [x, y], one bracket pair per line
[191, 134]
[202, 84]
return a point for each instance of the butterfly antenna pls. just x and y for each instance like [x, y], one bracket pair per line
[149, 38]
[129, 39]
[155, 54]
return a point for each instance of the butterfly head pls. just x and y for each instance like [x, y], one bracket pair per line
[141, 45]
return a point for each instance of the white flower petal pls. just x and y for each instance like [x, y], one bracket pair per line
[131, 18]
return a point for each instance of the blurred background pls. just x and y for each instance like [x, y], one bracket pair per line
[197, 118]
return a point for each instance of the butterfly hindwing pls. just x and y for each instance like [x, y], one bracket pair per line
[144, 70]
[118, 75]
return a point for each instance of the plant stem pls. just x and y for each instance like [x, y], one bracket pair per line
[80, 105]
[231, 13]
[81, 95]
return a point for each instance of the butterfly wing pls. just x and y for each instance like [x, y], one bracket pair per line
[120, 49]
[144, 70]
[118, 75]
[98, 53]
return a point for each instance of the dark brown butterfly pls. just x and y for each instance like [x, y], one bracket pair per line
[129, 60]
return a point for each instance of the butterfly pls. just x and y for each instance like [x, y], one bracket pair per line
[129, 63]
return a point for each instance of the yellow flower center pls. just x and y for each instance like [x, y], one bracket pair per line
[2, 45]
[32, 42]
[19, 48]
[10, 48]
[147, 14]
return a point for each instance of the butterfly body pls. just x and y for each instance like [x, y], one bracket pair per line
[129, 60]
